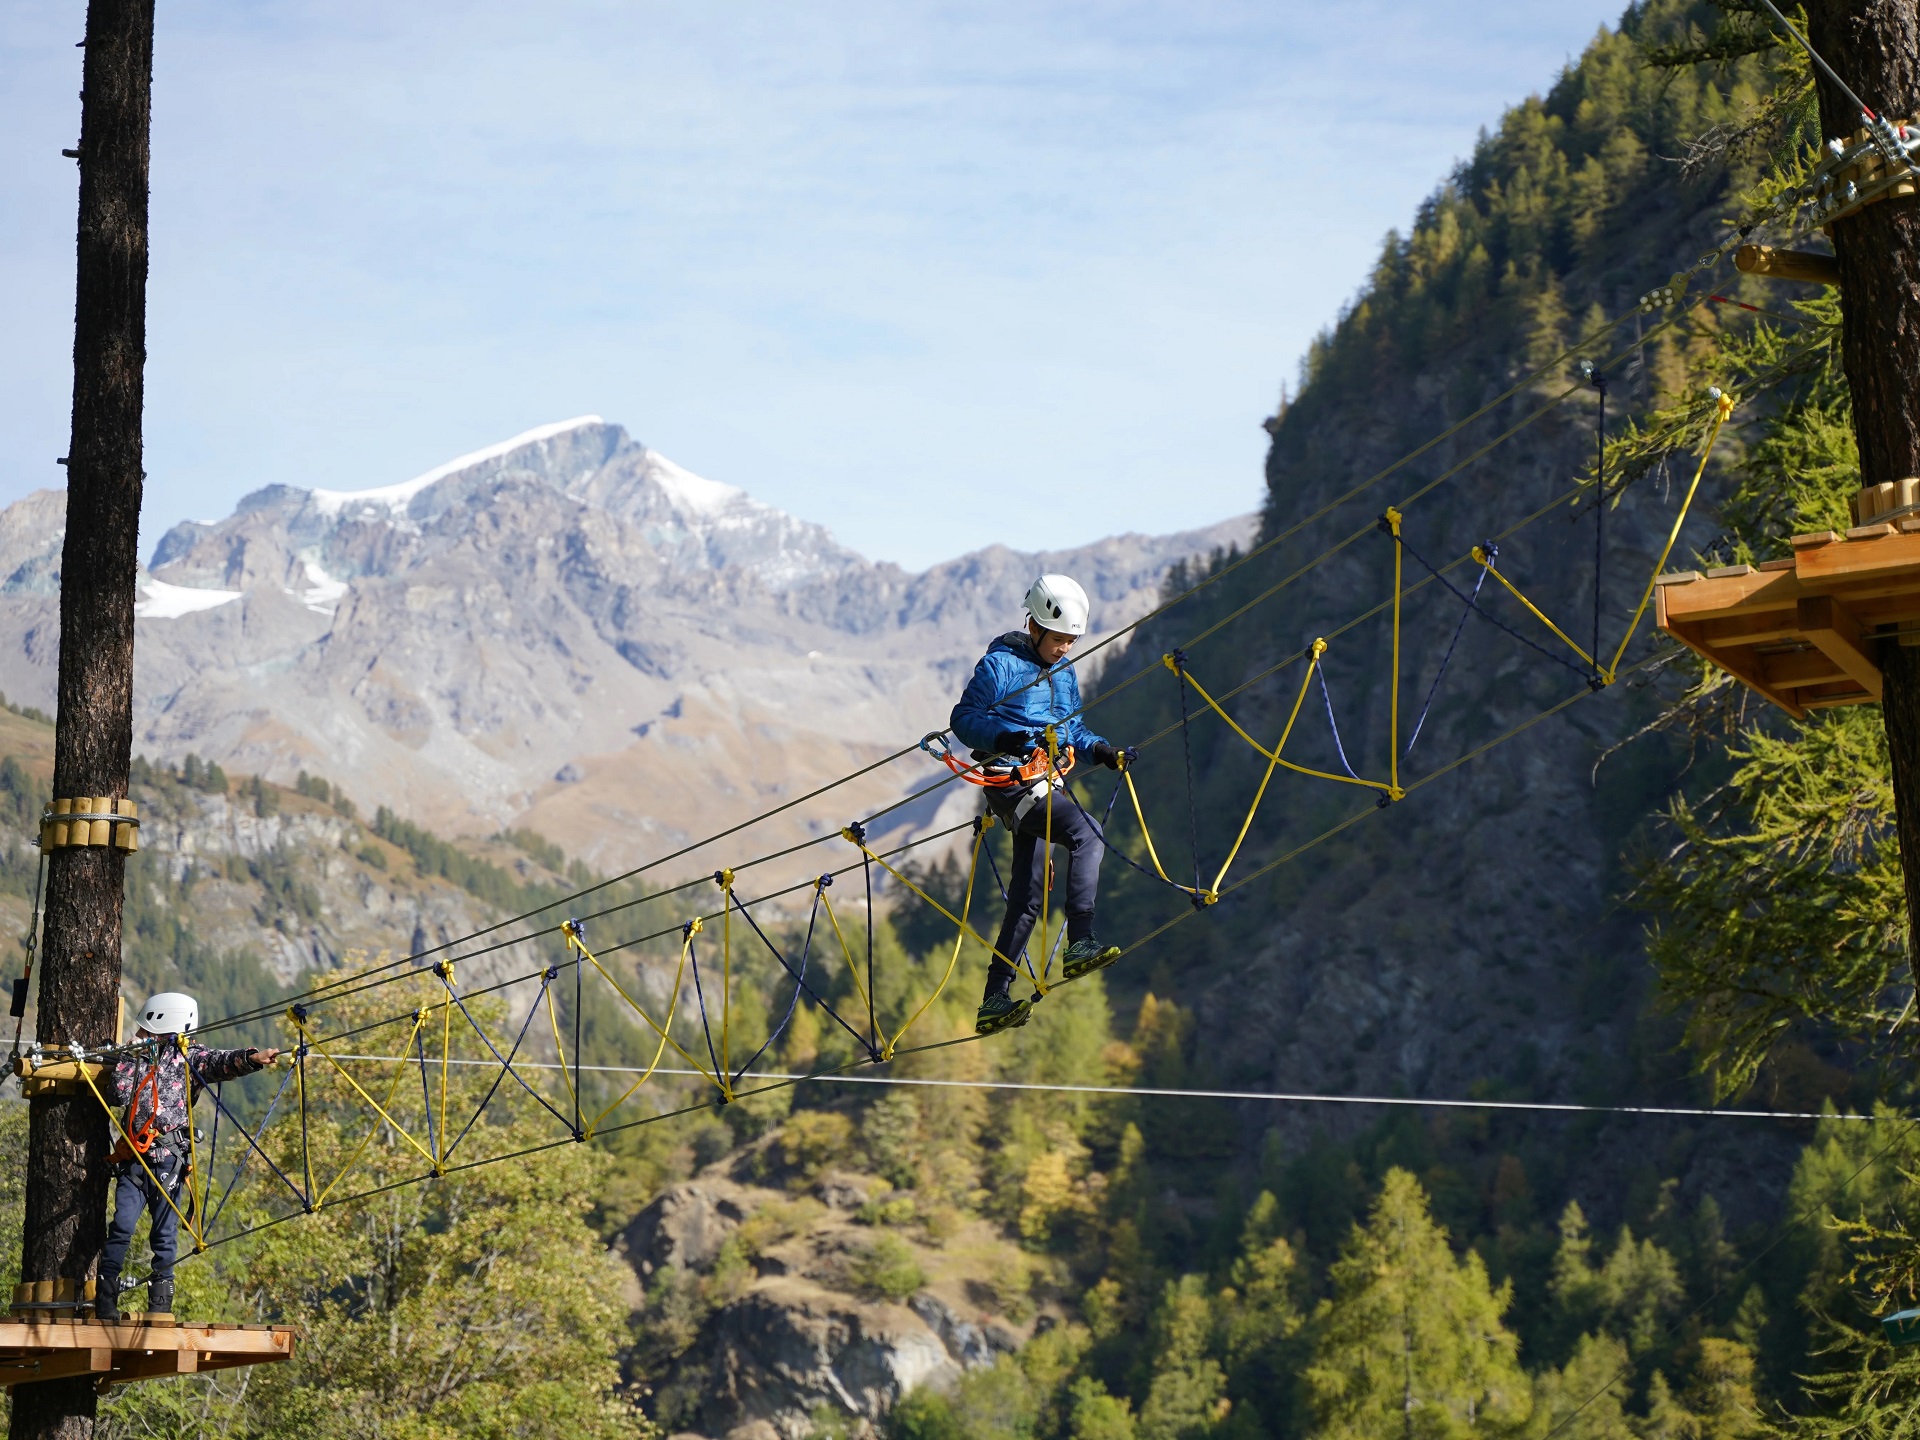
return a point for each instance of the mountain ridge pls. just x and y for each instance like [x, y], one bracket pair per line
[564, 630]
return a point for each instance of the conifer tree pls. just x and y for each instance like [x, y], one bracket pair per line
[1411, 1346]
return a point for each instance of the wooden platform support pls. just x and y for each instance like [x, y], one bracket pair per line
[35, 1349]
[1805, 631]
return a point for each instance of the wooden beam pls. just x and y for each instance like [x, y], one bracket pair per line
[1794, 668]
[1737, 663]
[55, 1365]
[1830, 628]
[153, 1365]
[1809, 266]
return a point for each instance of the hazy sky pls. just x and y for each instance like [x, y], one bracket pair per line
[934, 275]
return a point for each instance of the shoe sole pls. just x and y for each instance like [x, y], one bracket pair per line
[1019, 1015]
[1099, 962]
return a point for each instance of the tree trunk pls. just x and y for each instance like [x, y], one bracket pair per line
[80, 965]
[1874, 45]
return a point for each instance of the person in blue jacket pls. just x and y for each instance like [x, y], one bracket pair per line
[1023, 684]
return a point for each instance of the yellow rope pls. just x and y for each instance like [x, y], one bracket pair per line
[966, 929]
[399, 1070]
[694, 928]
[1272, 755]
[846, 950]
[560, 1049]
[1723, 407]
[1394, 792]
[445, 967]
[673, 1008]
[1273, 761]
[725, 879]
[959, 939]
[1486, 562]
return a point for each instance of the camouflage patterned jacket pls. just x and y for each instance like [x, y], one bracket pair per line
[170, 1103]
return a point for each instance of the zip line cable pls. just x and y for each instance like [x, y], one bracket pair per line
[1304, 1097]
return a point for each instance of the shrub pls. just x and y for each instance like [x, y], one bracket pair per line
[887, 1269]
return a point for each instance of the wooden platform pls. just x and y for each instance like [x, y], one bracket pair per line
[132, 1350]
[1805, 632]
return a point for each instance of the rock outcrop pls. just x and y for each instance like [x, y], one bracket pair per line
[793, 1336]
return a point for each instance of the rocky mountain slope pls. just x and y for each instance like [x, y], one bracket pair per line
[565, 630]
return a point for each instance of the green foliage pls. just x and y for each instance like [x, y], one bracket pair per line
[1410, 1334]
[1781, 900]
[887, 1269]
[497, 886]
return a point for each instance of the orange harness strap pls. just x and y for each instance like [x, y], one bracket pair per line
[140, 1134]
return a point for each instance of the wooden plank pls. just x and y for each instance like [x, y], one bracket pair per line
[1760, 627]
[1837, 635]
[231, 1339]
[1732, 595]
[1819, 567]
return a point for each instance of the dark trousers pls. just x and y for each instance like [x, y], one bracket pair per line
[1074, 833]
[133, 1191]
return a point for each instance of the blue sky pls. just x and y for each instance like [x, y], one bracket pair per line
[934, 275]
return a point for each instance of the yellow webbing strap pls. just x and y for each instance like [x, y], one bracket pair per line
[959, 939]
[1485, 562]
[853, 965]
[380, 1108]
[694, 927]
[1046, 862]
[1273, 761]
[673, 1008]
[1147, 835]
[399, 1072]
[140, 1155]
[1722, 409]
[1394, 792]
[1273, 755]
[965, 928]
[560, 1049]
[445, 967]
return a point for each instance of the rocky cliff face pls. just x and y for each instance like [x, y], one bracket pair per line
[566, 631]
[792, 1335]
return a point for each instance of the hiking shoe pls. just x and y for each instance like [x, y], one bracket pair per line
[1083, 957]
[1001, 1012]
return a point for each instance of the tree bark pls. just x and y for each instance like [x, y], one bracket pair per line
[80, 949]
[1874, 45]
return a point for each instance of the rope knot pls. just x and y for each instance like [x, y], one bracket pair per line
[723, 878]
[824, 881]
[445, 971]
[692, 928]
[574, 930]
[856, 832]
[297, 1014]
[1319, 646]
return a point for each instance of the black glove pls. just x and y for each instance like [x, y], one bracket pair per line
[1104, 754]
[1013, 742]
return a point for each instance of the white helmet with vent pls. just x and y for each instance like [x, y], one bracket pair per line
[1057, 603]
[170, 1013]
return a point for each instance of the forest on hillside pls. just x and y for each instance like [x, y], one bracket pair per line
[1185, 1269]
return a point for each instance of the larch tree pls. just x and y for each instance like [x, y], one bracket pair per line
[1411, 1344]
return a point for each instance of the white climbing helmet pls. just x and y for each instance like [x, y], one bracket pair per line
[170, 1013]
[1057, 603]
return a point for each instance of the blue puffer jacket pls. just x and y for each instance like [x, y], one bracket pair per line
[1003, 695]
